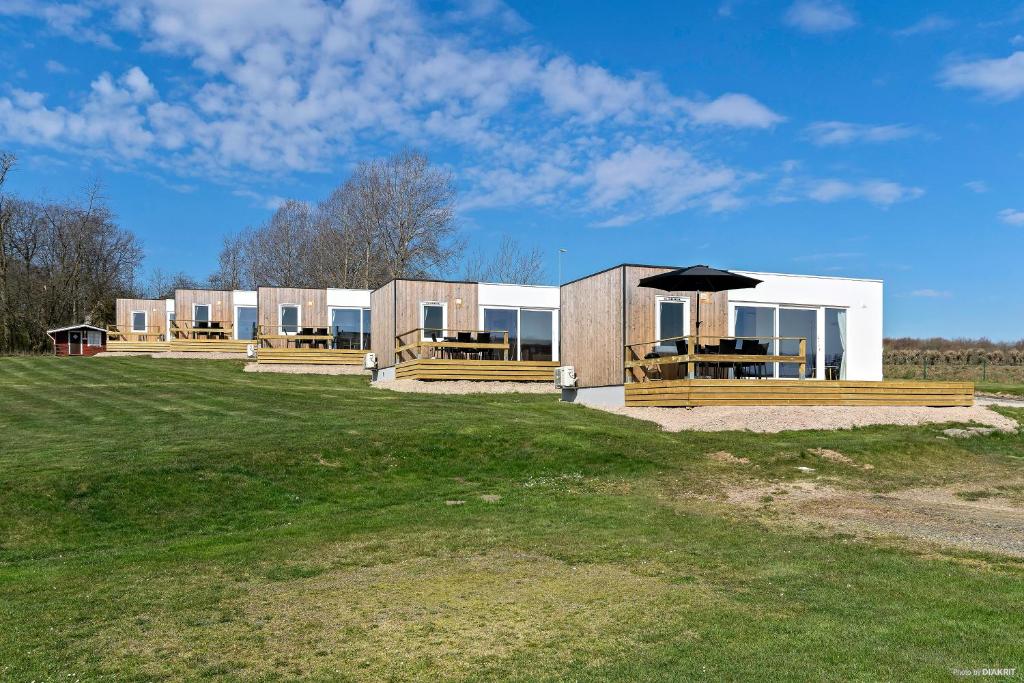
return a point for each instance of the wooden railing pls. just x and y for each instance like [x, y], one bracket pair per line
[419, 342]
[202, 329]
[318, 336]
[152, 333]
[678, 357]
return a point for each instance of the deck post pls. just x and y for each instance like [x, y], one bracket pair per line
[803, 358]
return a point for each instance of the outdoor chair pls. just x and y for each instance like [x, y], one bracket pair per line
[464, 338]
[484, 338]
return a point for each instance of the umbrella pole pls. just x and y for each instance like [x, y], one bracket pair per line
[696, 342]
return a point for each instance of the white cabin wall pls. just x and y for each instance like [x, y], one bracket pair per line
[861, 298]
[348, 298]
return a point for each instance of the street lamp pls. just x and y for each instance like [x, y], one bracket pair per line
[560, 252]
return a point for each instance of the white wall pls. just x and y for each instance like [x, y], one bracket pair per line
[349, 298]
[861, 298]
[525, 296]
[170, 305]
[243, 297]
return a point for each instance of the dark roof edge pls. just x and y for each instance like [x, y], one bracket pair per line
[427, 279]
[620, 265]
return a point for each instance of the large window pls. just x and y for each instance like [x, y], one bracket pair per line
[138, 321]
[351, 327]
[499, 320]
[531, 332]
[433, 319]
[537, 337]
[245, 322]
[756, 325]
[835, 343]
[289, 319]
[798, 322]
[201, 314]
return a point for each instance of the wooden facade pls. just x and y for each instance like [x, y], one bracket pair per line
[220, 302]
[687, 393]
[602, 313]
[396, 310]
[156, 319]
[312, 304]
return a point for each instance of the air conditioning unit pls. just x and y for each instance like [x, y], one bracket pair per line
[565, 376]
[250, 350]
[370, 361]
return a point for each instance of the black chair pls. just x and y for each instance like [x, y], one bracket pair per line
[746, 347]
[484, 338]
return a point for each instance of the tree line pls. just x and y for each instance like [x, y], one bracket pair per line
[65, 262]
[60, 261]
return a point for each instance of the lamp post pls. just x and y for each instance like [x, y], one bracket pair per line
[560, 252]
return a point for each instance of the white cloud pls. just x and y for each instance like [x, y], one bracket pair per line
[64, 19]
[819, 16]
[55, 67]
[1001, 79]
[883, 193]
[734, 109]
[931, 293]
[1017, 40]
[470, 11]
[825, 133]
[1012, 216]
[928, 24]
[977, 186]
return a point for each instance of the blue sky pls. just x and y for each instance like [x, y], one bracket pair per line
[878, 140]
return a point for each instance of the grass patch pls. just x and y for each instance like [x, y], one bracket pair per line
[169, 519]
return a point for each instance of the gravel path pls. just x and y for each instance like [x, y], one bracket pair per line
[783, 418]
[414, 386]
[999, 400]
[306, 369]
[201, 355]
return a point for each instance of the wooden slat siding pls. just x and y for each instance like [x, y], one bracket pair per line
[382, 324]
[410, 294]
[641, 309]
[311, 356]
[209, 345]
[312, 301]
[156, 308]
[220, 301]
[475, 370]
[690, 393]
[591, 328]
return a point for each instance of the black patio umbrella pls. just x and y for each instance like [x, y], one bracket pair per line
[698, 279]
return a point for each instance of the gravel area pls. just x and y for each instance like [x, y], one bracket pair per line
[306, 369]
[122, 354]
[784, 418]
[415, 386]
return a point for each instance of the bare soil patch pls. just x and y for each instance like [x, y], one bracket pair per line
[767, 419]
[836, 456]
[727, 457]
[415, 386]
[947, 516]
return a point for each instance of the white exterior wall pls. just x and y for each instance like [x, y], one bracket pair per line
[170, 305]
[243, 297]
[348, 298]
[861, 298]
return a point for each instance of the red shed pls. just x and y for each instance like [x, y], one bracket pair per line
[78, 340]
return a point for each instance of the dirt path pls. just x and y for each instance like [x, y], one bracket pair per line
[990, 522]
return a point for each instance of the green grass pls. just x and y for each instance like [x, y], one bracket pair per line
[994, 388]
[169, 519]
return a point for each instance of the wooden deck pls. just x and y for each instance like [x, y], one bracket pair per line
[687, 393]
[313, 356]
[479, 370]
[115, 346]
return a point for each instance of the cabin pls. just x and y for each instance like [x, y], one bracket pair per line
[465, 330]
[793, 339]
[78, 340]
[307, 325]
[141, 325]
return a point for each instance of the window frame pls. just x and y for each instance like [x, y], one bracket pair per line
[362, 328]
[819, 348]
[444, 317]
[665, 298]
[209, 313]
[145, 322]
[280, 318]
[234, 323]
[516, 354]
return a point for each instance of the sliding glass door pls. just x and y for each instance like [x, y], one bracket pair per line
[835, 343]
[531, 331]
[538, 338]
[498, 320]
[755, 325]
[798, 322]
[245, 322]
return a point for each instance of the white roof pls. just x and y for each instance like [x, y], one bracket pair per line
[76, 327]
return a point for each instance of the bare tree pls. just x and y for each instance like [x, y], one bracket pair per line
[7, 162]
[511, 264]
[163, 285]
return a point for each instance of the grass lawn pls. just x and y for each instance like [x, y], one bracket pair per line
[994, 388]
[170, 519]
